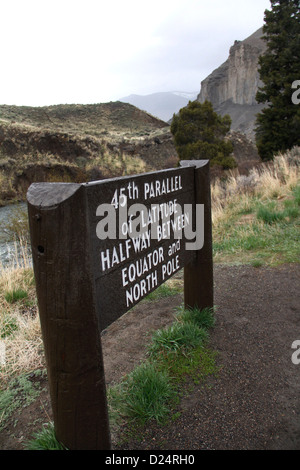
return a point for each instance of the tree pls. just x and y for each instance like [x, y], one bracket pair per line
[199, 134]
[278, 125]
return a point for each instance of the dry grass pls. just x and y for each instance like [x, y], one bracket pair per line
[20, 334]
[271, 181]
[116, 164]
[113, 119]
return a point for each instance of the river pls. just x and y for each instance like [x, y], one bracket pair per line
[7, 246]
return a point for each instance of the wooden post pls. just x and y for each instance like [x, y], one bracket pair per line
[198, 275]
[66, 298]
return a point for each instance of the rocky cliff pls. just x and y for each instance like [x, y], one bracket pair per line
[232, 87]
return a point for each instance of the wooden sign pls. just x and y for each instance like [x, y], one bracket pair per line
[137, 236]
[98, 249]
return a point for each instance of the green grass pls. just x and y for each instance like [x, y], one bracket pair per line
[15, 295]
[8, 325]
[176, 352]
[182, 348]
[148, 393]
[177, 337]
[269, 215]
[202, 318]
[45, 440]
[195, 367]
[266, 233]
[296, 194]
[168, 289]
[21, 392]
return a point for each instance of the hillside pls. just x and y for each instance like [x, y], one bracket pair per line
[78, 143]
[114, 119]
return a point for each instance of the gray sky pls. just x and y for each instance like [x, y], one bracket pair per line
[92, 51]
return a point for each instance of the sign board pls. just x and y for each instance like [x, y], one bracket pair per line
[138, 235]
[98, 249]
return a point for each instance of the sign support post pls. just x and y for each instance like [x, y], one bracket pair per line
[198, 275]
[69, 323]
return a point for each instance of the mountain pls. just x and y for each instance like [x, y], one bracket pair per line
[162, 105]
[232, 87]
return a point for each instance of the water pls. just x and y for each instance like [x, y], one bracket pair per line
[7, 246]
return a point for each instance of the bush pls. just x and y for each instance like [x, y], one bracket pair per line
[199, 134]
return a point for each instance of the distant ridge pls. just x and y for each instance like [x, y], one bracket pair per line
[163, 104]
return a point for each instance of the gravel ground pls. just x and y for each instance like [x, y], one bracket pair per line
[254, 402]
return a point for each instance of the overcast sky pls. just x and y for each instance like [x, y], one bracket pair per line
[92, 51]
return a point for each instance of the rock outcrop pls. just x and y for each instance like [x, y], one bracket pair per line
[232, 87]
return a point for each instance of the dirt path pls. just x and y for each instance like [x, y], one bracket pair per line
[254, 403]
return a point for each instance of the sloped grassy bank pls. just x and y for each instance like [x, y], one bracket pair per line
[256, 217]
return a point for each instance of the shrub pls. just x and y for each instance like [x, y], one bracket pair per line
[199, 133]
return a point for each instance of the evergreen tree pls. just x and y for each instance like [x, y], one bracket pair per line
[278, 125]
[199, 134]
